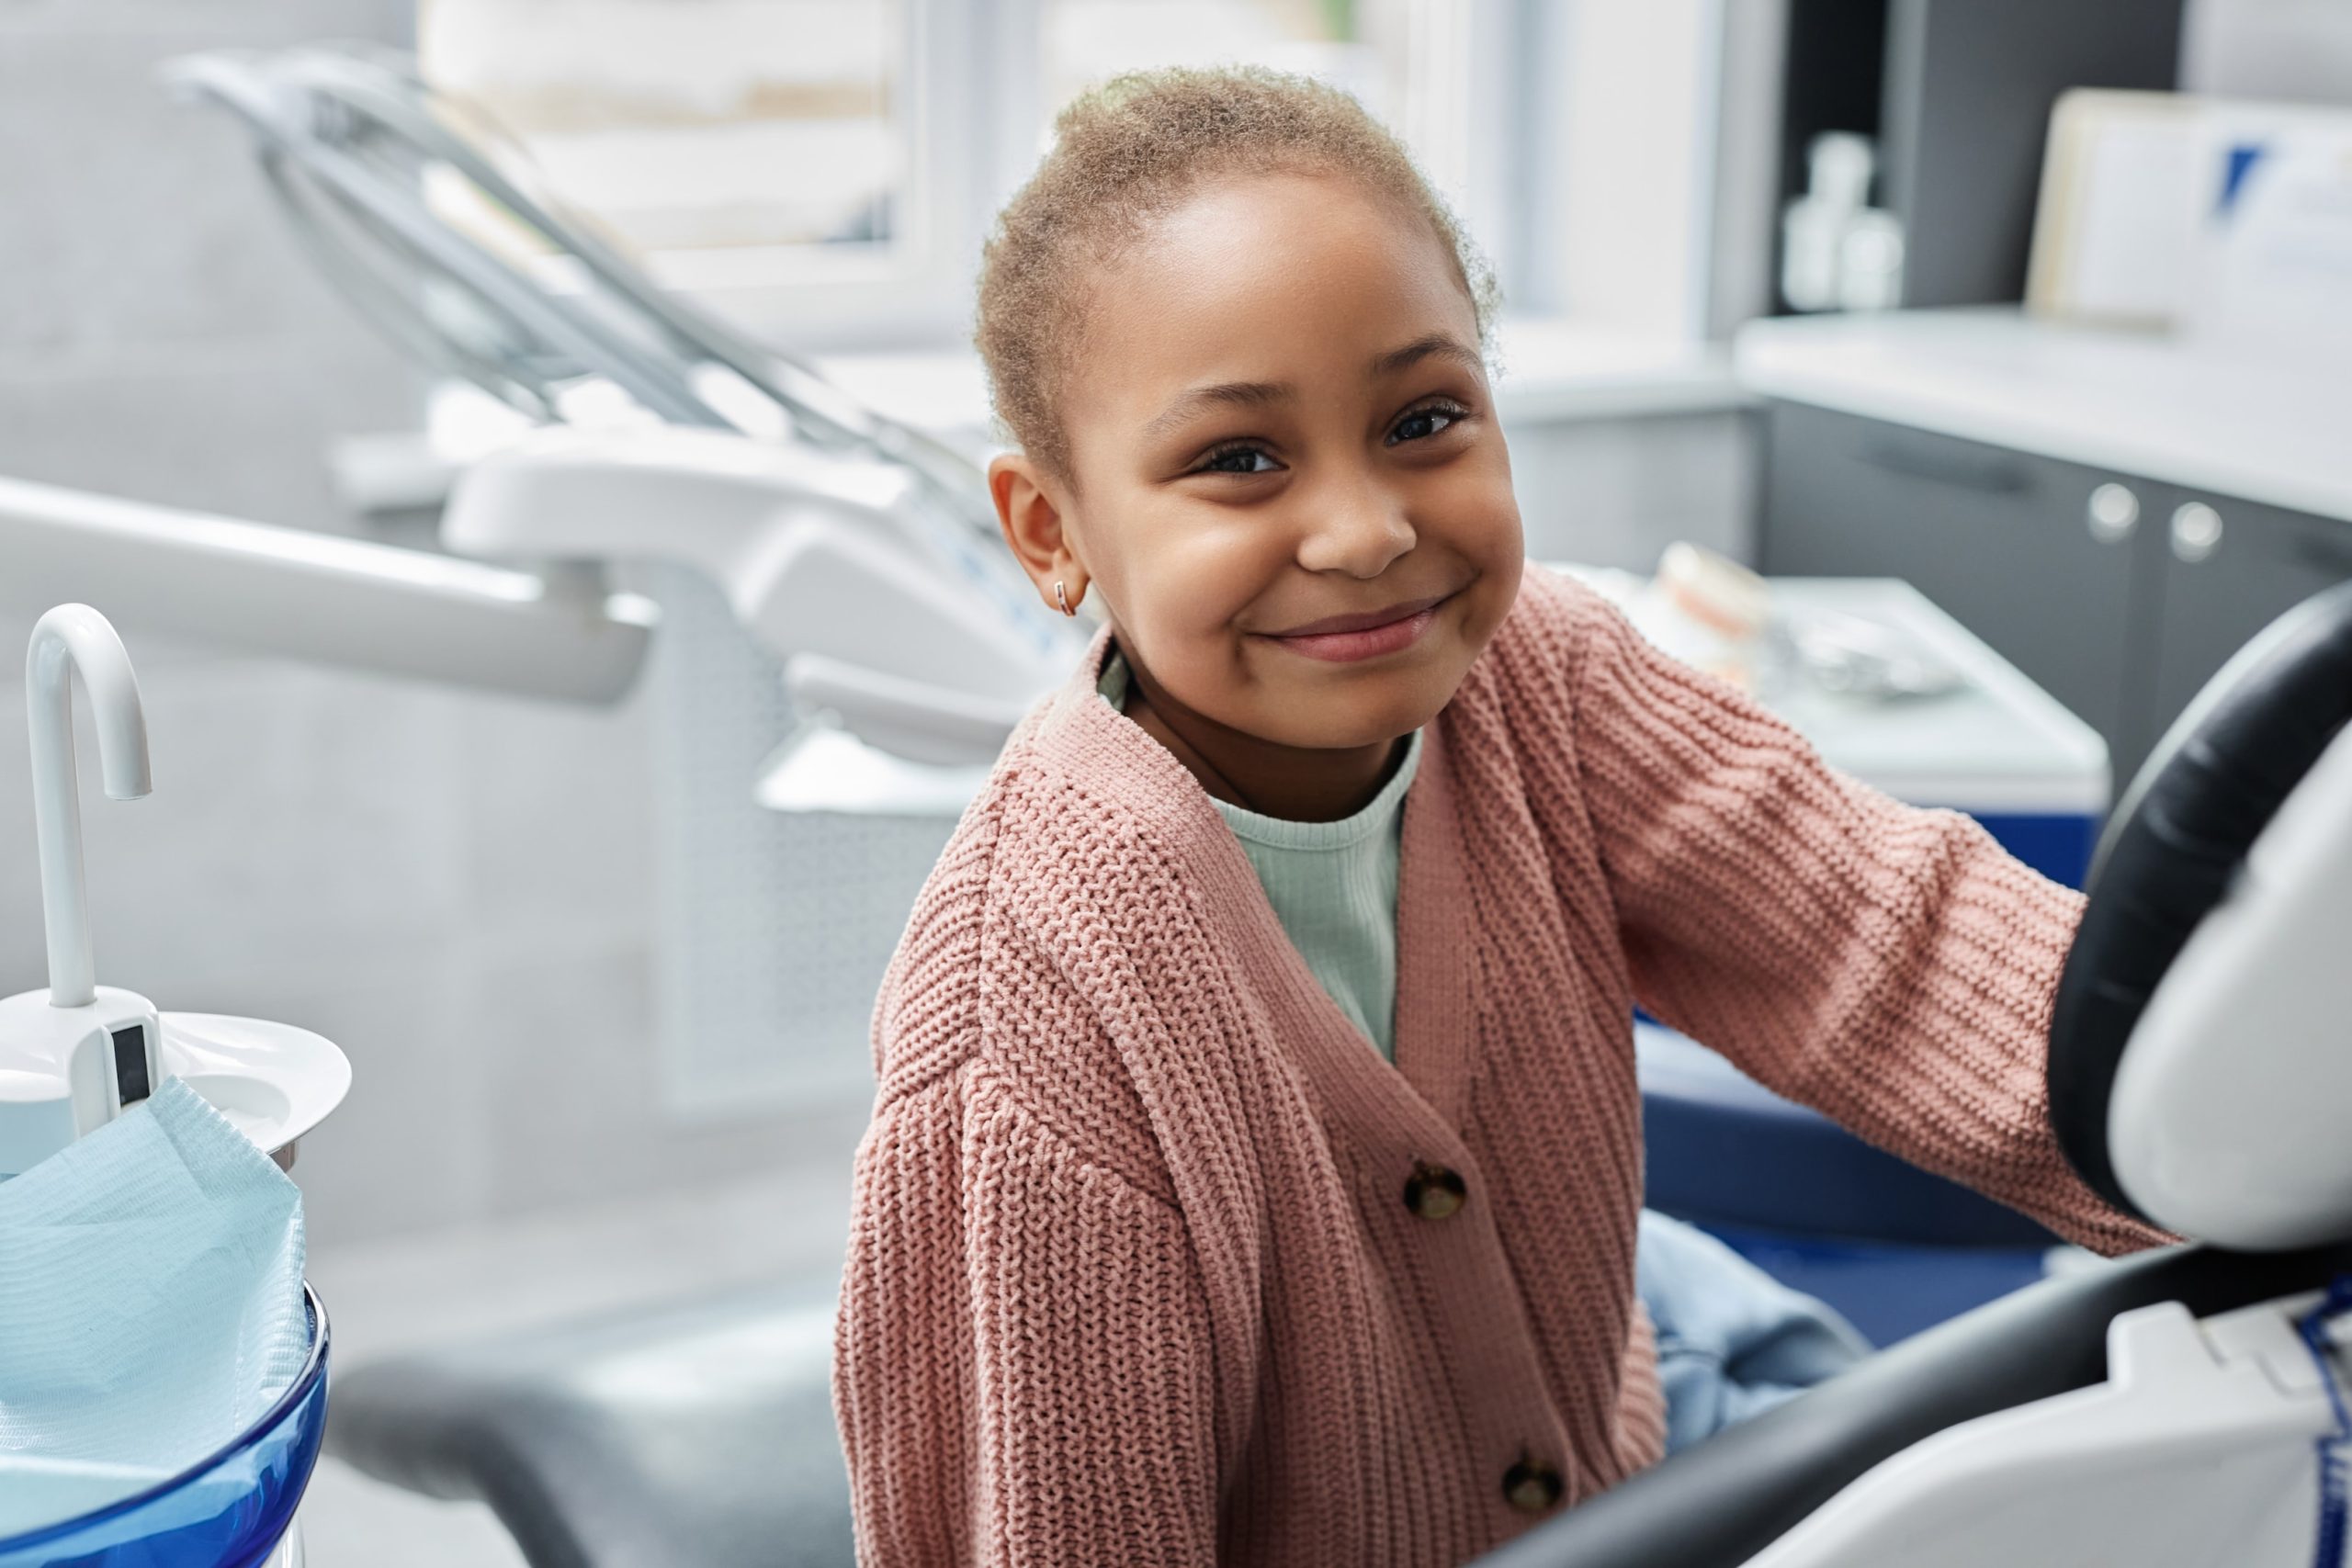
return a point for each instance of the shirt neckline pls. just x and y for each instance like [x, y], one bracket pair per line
[1375, 815]
[1421, 1095]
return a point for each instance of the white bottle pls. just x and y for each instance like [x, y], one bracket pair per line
[1870, 261]
[1837, 252]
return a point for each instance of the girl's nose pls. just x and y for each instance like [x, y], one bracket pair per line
[1357, 534]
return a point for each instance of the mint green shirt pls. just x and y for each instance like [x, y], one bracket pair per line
[1332, 884]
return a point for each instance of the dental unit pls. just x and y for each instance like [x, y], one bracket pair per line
[858, 550]
[77, 1054]
[161, 1309]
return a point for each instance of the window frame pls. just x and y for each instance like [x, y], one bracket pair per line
[1535, 85]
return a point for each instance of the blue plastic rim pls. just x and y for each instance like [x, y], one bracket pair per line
[226, 1511]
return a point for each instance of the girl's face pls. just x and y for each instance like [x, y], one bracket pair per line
[1288, 483]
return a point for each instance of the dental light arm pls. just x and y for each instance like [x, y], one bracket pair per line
[302, 595]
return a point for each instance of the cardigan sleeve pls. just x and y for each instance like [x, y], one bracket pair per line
[1890, 966]
[1021, 1369]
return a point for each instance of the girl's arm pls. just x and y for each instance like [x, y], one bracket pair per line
[1022, 1373]
[1891, 968]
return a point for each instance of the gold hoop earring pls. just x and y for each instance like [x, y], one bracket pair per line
[1062, 599]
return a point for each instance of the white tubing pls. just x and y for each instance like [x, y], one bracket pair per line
[313, 596]
[71, 637]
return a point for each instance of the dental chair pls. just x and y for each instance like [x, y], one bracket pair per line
[698, 1437]
[2181, 1408]
[2152, 1410]
[2168, 1410]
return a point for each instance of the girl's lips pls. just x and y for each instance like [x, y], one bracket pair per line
[1343, 639]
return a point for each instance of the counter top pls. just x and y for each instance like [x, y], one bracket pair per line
[1997, 744]
[2139, 403]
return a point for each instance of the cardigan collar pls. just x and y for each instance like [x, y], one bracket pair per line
[1420, 1099]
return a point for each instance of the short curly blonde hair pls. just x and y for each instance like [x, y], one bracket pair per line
[1128, 152]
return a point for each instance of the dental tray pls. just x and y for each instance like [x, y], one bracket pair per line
[273, 1081]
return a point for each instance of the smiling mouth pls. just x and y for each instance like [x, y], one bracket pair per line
[1363, 620]
[1343, 639]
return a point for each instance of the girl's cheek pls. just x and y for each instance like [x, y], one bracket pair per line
[1208, 576]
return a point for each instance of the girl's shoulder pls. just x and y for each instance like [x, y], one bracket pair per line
[1021, 954]
[1534, 673]
[1054, 875]
[1560, 614]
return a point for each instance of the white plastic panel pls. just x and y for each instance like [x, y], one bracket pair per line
[2193, 1455]
[775, 927]
[2227, 1118]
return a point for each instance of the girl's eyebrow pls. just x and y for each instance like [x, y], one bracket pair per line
[1258, 394]
[1441, 344]
[1248, 394]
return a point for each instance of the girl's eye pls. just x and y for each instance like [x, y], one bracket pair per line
[1238, 460]
[1424, 423]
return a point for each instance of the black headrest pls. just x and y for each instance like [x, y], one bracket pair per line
[2175, 841]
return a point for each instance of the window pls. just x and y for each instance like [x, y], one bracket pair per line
[1414, 63]
[825, 170]
[766, 124]
[765, 153]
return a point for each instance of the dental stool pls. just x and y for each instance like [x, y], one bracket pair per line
[700, 1437]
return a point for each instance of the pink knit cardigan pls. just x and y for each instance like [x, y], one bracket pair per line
[1132, 1279]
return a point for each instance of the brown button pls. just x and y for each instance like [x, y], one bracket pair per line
[1532, 1488]
[1434, 1192]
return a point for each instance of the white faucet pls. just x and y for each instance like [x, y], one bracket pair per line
[73, 1057]
[71, 638]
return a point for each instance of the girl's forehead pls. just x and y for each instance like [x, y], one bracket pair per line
[1270, 274]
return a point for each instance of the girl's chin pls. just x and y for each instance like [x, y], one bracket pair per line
[1331, 719]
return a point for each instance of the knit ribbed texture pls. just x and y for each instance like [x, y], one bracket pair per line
[1332, 884]
[1132, 1279]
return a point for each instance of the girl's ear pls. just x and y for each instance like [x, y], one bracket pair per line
[1035, 527]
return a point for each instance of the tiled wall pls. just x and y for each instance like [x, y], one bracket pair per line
[456, 888]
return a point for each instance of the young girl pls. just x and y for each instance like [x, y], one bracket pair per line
[1256, 1163]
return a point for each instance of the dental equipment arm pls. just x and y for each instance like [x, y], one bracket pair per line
[349, 121]
[813, 553]
[303, 595]
[871, 551]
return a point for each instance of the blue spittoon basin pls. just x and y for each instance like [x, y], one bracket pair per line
[229, 1510]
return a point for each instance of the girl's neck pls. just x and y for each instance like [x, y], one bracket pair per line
[1296, 784]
